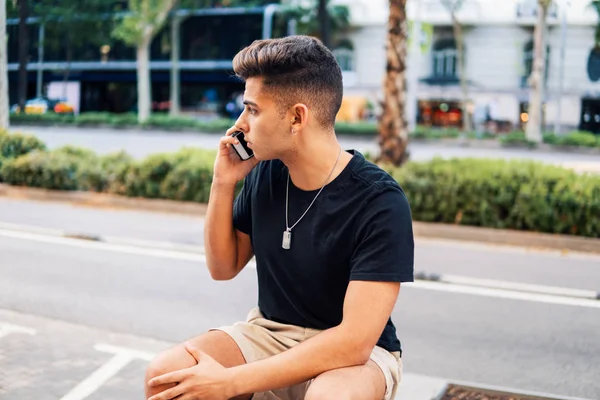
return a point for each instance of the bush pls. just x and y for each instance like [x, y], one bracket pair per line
[94, 118]
[358, 128]
[16, 144]
[503, 194]
[516, 138]
[514, 194]
[42, 169]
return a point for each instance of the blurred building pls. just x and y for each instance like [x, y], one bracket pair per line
[103, 78]
[498, 55]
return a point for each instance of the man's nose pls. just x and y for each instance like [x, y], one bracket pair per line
[242, 122]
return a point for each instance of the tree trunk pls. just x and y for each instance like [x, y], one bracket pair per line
[462, 73]
[23, 52]
[143, 80]
[536, 94]
[175, 108]
[324, 23]
[4, 106]
[393, 132]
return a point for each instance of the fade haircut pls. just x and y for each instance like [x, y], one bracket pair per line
[295, 69]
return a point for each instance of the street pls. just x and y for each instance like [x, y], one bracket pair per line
[142, 143]
[79, 305]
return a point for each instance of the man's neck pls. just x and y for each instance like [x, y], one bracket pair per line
[313, 162]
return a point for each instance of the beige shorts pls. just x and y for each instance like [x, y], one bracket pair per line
[260, 338]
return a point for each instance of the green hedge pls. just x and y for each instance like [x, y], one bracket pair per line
[16, 144]
[515, 194]
[521, 195]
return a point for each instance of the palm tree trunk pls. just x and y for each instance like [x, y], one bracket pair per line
[393, 132]
[23, 52]
[462, 71]
[143, 81]
[536, 94]
[4, 106]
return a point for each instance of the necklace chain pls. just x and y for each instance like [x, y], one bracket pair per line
[287, 189]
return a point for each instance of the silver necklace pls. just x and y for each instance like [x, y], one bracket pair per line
[287, 234]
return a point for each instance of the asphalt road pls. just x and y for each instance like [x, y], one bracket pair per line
[142, 143]
[490, 337]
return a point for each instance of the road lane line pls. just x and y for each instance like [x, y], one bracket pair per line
[122, 357]
[117, 248]
[443, 287]
[516, 286]
[99, 377]
[6, 329]
[503, 294]
[107, 348]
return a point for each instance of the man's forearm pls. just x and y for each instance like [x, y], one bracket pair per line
[219, 236]
[330, 349]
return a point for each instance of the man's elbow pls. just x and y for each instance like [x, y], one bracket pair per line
[219, 273]
[359, 351]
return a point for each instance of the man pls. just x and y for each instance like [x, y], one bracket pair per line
[332, 236]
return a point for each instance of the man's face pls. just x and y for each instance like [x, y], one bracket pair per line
[266, 131]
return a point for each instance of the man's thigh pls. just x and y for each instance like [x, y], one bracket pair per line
[216, 344]
[364, 382]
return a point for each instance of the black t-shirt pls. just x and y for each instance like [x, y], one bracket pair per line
[359, 228]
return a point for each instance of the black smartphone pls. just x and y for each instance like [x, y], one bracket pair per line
[242, 149]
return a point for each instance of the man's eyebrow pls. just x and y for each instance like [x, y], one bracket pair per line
[250, 103]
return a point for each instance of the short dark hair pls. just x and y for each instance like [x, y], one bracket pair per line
[295, 69]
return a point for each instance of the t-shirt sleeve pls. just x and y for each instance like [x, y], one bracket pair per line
[384, 240]
[242, 207]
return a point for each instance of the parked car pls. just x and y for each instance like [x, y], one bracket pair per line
[43, 105]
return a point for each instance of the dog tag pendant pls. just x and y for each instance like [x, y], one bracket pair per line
[287, 239]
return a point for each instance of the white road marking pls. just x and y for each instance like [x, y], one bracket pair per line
[444, 287]
[122, 357]
[117, 248]
[7, 329]
[504, 294]
[107, 348]
[518, 287]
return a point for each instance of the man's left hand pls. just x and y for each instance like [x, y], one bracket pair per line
[208, 380]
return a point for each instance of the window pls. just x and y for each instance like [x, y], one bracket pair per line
[444, 59]
[345, 58]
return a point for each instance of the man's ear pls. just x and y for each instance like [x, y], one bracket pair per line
[298, 115]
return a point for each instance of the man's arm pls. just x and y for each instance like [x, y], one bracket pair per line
[367, 308]
[227, 249]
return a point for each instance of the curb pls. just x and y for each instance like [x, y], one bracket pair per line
[430, 230]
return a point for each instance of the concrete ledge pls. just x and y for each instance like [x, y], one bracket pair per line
[421, 229]
[102, 200]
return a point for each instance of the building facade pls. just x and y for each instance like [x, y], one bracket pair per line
[103, 77]
[498, 39]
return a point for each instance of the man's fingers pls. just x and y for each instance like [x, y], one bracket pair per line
[227, 141]
[171, 377]
[169, 393]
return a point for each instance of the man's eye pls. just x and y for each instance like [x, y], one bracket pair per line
[252, 111]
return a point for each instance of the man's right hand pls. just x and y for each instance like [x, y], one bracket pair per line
[229, 168]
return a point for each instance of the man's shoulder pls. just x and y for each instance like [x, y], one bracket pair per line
[374, 180]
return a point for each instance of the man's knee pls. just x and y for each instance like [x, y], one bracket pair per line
[170, 360]
[324, 390]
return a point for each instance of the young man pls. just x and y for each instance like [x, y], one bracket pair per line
[332, 236]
